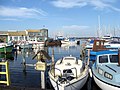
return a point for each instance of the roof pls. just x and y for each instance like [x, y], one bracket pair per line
[103, 52]
[93, 54]
[35, 30]
[17, 33]
[3, 32]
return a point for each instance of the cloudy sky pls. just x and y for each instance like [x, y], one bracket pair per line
[66, 17]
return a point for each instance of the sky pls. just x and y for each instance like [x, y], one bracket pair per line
[79, 18]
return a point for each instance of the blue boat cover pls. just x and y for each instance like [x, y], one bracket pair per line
[93, 54]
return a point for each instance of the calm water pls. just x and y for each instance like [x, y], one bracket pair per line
[27, 76]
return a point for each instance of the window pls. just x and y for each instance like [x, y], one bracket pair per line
[97, 43]
[103, 59]
[67, 71]
[15, 38]
[10, 38]
[114, 58]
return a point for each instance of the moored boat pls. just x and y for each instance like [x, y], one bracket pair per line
[6, 48]
[106, 68]
[25, 44]
[69, 41]
[69, 73]
[37, 44]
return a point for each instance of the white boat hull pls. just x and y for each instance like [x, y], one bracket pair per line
[103, 85]
[26, 46]
[75, 84]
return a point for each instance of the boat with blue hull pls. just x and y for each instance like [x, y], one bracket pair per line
[106, 68]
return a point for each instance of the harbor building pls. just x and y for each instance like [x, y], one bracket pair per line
[27, 35]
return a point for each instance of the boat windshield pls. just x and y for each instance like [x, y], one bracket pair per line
[113, 58]
[103, 59]
[69, 58]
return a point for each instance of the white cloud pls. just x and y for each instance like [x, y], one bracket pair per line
[21, 12]
[68, 3]
[9, 19]
[97, 4]
[103, 4]
[75, 27]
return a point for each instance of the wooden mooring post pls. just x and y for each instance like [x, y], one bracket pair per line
[53, 62]
[41, 65]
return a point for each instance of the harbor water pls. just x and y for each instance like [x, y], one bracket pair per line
[23, 72]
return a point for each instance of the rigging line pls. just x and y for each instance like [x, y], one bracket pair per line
[57, 84]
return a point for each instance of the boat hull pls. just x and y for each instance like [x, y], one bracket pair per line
[68, 42]
[26, 46]
[76, 84]
[104, 85]
[7, 49]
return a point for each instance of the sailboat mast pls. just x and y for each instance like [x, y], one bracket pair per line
[99, 26]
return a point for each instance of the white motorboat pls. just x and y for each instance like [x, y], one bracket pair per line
[69, 41]
[37, 44]
[69, 73]
[25, 44]
[113, 44]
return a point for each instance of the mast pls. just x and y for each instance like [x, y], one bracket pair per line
[99, 26]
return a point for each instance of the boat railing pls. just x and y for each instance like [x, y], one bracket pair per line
[52, 71]
[61, 75]
[75, 71]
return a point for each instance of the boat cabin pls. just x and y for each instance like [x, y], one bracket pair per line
[105, 57]
[69, 66]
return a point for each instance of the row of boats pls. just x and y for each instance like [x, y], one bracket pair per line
[71, 73]
[8, 47]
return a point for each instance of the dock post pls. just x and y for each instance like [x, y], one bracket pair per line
[5, 49]
[43, 79]
[40, 58]
[53, 62]
[88, 57]
[41, 65]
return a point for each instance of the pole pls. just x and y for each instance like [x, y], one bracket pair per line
[99, 26]
[88, 57]
[5, 49]
[53, 68]
[43, 79]
[40, 59]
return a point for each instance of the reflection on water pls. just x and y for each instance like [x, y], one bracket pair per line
[9, 56]
[27, 76]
